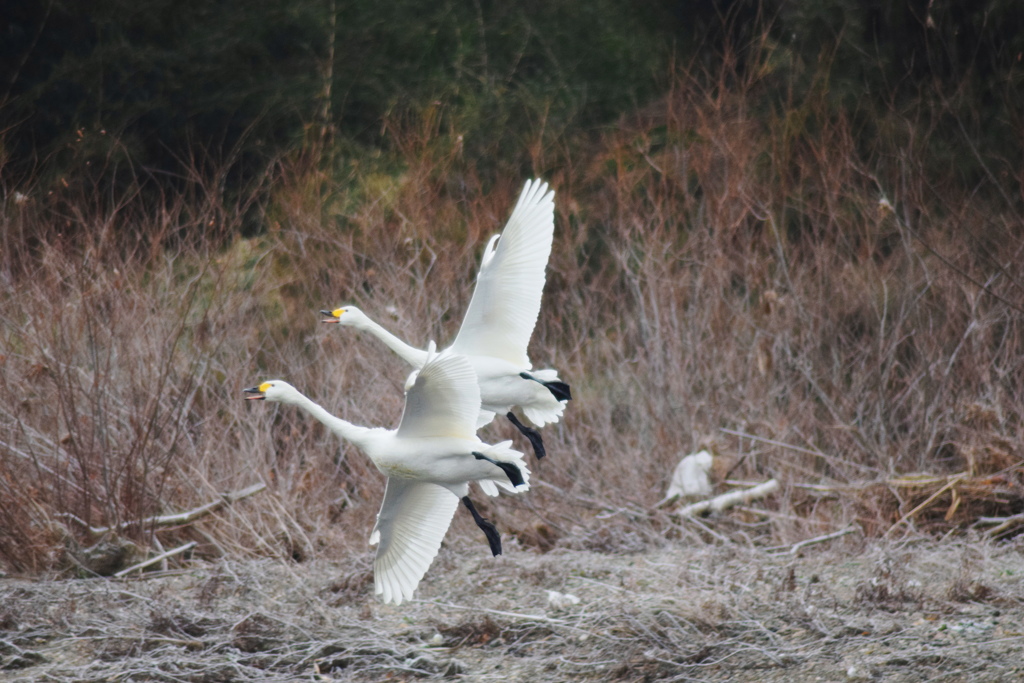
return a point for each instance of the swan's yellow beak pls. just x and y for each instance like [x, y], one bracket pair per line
[332, 316]
[257, 393]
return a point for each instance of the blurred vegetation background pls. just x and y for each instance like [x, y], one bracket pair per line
[796, 221]
[150, 91]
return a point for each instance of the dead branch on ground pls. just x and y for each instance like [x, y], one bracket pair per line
[178, 519]
[157, 558]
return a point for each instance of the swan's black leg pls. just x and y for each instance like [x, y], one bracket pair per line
[490, 531]
[532, 434]
[513, 473]
[560, 390]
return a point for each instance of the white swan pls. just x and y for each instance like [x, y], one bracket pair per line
[500, 319]
[429, 461]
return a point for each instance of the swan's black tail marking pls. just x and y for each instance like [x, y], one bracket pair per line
[510, 470]
[560, 390]
[490, 531]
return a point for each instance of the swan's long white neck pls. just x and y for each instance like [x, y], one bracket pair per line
[410, 354]
[342, 428]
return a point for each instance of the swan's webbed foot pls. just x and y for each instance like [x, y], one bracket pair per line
[532, 434]
[510, 470]
[560, 390]
[490, 531]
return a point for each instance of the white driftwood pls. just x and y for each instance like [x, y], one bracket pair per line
[727, 500]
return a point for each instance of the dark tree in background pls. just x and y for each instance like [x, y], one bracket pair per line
[154, 81]
[127, 90]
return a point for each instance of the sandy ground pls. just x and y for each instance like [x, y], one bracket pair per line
[922, 611]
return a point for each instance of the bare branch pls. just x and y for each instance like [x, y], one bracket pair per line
[928, 501]
[797, 547]
[177, 519]
[1003, 524]
[153, 560]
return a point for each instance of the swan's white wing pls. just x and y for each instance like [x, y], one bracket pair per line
[506, 302]
[443, 401]
[411, 524]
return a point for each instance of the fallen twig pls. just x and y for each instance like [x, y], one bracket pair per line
[157, 558]
[796, 547]
[709, 530]
[727, 500]
[177, 519]
[667, 501]
[1003, 524]
[953, 481]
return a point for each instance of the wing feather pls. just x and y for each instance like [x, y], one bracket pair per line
[506, 301]
[443, 401]
[411, 524]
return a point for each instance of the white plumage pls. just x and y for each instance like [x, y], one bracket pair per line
[499, 322]
[429, 461]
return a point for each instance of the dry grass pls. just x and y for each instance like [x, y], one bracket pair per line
[770, 275]
[866, 612]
